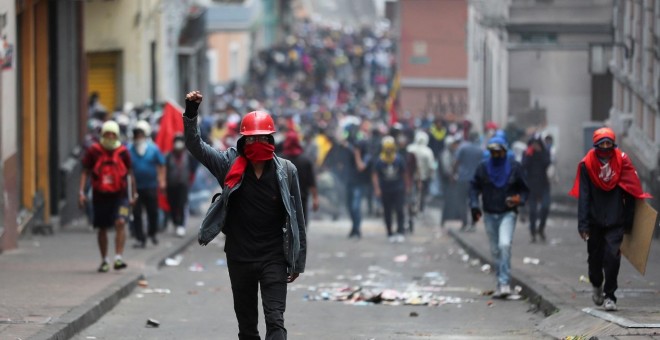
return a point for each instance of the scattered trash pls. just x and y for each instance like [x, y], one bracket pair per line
[193, 292]
[173, 262]
[90, 337]
[151, 323]
[340, 254]
[531, 260]
[514, 297]
[143, 283]
[432, 275]
[488, 292]
[584, 279]
[139, 296]
[401, 258]
[465, 258]
[517, 289]
[555, 241]
[157, 291]
[221, 262]
[486, 268]
[475, 262]
[199, 284]
[196, 267]
[414, 314]
[490, 303]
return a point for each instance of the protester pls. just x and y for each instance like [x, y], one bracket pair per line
[535, 162]
[451, 208]
[260, 200]
[390, 185]
[500, 182]
[149, 170]
[468, 158]
[606, 186]
[108, 163]
[425, 165]
[411, 177]
[293, 151]
[357, 178]
[179, 170]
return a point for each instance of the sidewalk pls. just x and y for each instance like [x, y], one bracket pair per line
[556, 287]
[50, 286]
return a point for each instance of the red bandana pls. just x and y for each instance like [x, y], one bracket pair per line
[256, 152]
[619, 170]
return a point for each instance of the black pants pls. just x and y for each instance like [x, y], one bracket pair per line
[177, 198]
[246, 278]
[394, 202]
[538, 203]
[148, 199]
[604, 256]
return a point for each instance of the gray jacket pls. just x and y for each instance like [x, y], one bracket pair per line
[219, 163]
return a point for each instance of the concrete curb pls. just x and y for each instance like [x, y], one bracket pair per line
[98, 305]
[543, 299]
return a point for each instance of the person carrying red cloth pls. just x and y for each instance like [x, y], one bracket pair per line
[606, 186]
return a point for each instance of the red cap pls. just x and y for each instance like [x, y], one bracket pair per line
[603, 133]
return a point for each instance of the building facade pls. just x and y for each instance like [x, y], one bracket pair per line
[541, 65]
[635, 65]
[432, 57]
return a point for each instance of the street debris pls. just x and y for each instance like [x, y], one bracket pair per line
[221, 263]
[531, 260]
[156, 291]
[173, 262]
[584, 279]
[401, 258]
[143, 283]
[196, 267]
[152, 323]
[414, 314]
[200, 284]
[486, 268]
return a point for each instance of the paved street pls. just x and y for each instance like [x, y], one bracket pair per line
[196, 304]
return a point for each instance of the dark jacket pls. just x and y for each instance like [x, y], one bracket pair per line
[536, 170]
[219, 163]
[493, 198]
[598, 208]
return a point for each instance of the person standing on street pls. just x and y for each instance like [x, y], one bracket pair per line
[390, 185]
[108, 163]
[606, 186]
[149, 170]
[468, 157]
[535, 162]
[179, 170]
[260, 212]
[425, 165]
[501, 183]
[293, 151]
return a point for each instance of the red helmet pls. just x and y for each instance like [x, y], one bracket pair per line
[257, 123]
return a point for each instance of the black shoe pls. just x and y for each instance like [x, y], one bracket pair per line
[104, 268]
[542, 235]
[140, 245]
[119, 264]
[154, 240]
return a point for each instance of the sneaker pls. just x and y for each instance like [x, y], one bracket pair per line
[180, 231]
[104, 268]
[502, 291]
[609, 305]
[597, 296]
[119, 264]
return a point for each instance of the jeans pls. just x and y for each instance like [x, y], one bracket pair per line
[393, 202]
[354, 202]
[535, 199]
[246, 279]
[499, 228]
[147, 198]
[604, 256]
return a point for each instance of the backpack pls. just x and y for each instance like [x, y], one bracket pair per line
[109, 172]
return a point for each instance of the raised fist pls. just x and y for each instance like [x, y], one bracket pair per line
[194, 96]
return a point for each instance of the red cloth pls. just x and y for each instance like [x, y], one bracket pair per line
[623, 174]
[256, 152]
[170, 124]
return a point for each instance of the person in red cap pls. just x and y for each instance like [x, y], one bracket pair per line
[606, 186]
[260, 212]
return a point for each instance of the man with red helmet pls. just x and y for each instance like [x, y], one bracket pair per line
[260, 212]
[606, 186]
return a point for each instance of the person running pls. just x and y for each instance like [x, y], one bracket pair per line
[606, 186]
[260, 212]
[500, 182]
[108, 164]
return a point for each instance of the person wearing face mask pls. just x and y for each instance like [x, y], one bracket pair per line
[261, 213]
[501, 183]
[179, 170]
[108, 164]
[149, 171]
[606, 186]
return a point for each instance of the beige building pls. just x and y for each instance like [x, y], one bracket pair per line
[636, 69]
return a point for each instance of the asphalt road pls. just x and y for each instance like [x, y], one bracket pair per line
[193, 300]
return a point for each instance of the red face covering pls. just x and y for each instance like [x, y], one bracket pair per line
[258, 151]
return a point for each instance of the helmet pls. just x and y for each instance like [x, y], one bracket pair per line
[144, 126]
[257, 123]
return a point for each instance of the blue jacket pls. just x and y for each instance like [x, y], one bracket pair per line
[493, 198]
[219, 163]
